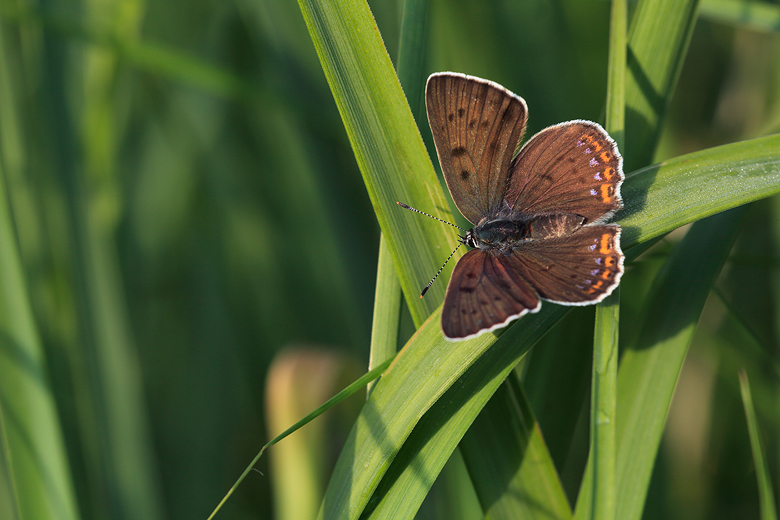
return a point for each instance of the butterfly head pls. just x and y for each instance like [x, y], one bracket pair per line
[468, 239]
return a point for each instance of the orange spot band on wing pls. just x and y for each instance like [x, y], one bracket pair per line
[605, 196]
[605, 247]
[608, 173]
[604, 156]
[595, 287]
[591, 141]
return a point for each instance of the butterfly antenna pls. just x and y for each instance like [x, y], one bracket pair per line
[440, 269]
[427, 215]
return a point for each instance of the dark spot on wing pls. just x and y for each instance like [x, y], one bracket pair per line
[472, 124]
[458, 151]
[451, 117]
[461, 111]
[465, 174]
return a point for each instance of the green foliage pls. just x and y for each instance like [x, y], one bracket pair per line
[186, 190]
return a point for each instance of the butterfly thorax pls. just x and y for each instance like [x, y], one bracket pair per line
[507, 234]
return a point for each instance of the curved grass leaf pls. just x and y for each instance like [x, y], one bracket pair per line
[387, 307]
[429, 365]
[387, 145]
[715, 180]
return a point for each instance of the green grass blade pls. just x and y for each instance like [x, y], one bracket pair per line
[387, 308]
[665, 196]
[35, 460]
[509, 463]
[602, 410]
[428, 365]
[411, 54]
[616, 72]
[765, 493]
[350, 390]
[384, 332]
[388, 444]
[758, 16]
[651, 366]
[350, 51]
[607, 326]
[29, 424]
[658, 42]
[387, 145]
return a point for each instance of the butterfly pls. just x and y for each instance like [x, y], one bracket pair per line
[540, 216]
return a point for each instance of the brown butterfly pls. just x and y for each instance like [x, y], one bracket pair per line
[539, 217]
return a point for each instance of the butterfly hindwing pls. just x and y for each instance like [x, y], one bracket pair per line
[484, 293]
[573, 167]
[579, 269]
[476, 126]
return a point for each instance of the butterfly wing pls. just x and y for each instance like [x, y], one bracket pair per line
[578, 269]
[484, 293]
[476, 126]
[573, 167]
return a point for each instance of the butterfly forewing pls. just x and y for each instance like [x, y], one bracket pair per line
[484, 293]
[540, 217]
[579, 269]
[573, 167]
[476, 126]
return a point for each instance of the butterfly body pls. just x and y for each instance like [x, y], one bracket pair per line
[540, 218]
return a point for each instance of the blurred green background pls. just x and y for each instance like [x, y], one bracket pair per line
[199, 250]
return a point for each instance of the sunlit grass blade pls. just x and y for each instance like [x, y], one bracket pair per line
[765, 489]
[654, 206]
[387, 309]
[391, 448]
[427, 367]
[387, 145]
[682, 190]
[384, 332]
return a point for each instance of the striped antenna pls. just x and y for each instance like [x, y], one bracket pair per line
[440, 270]
[427, 215]
[462, 241]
